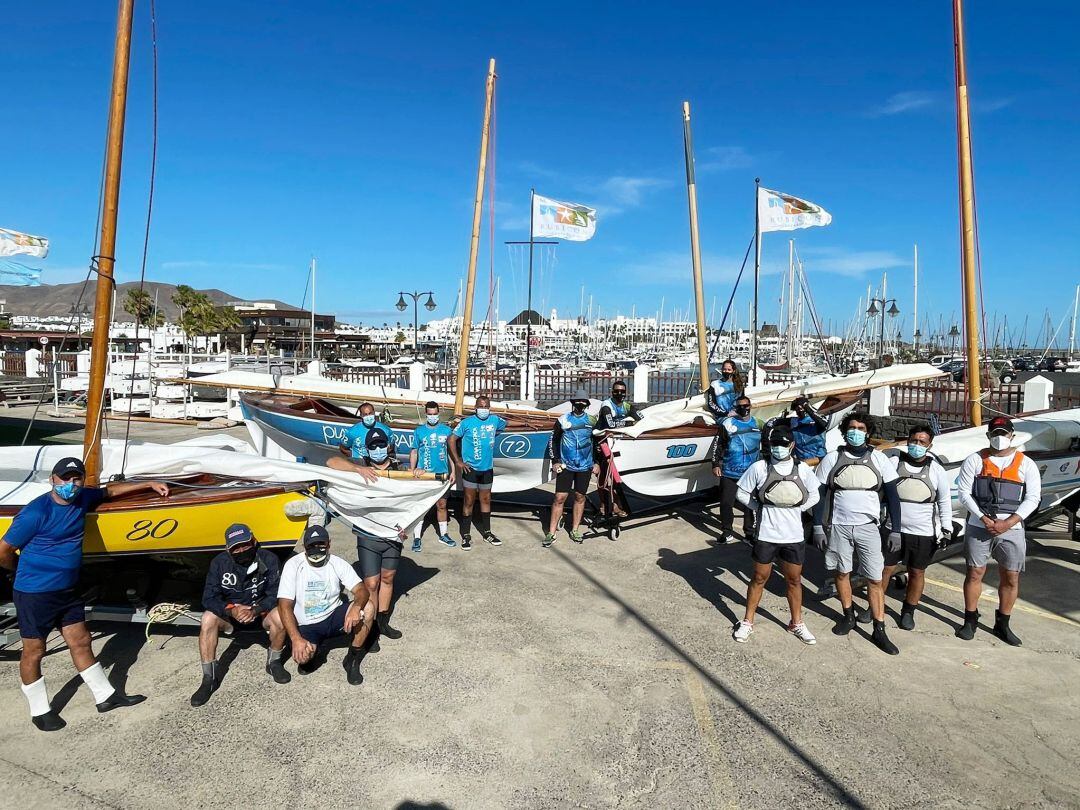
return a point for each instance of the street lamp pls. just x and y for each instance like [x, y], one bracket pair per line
[954, 333]
[429, 305]
[892, 312]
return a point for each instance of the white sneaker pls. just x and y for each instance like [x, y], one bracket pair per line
[742, 632]
[802, 633]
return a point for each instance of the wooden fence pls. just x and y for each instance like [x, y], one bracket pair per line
[498, 384]
[397, 378]
[948, 400]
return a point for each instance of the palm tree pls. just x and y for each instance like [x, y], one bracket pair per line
[138, 302]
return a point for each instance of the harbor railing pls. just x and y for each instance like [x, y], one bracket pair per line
[396, 378]
[498, 384]
[948, 400]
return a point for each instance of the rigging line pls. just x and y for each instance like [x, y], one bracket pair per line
[812, 306]
[491, 220]
[146, 241]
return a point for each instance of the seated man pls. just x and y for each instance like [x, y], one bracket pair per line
[312, 609]
[240, 593]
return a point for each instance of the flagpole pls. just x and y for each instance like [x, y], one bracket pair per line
[695, 247]
[757, 279]
[526, 394]
[915, 328]
[474, 243]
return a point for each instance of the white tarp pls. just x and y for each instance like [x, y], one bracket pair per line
[372, 507]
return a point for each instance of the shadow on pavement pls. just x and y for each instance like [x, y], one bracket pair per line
[120, 652]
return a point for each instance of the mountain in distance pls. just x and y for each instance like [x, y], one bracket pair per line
[56, 300]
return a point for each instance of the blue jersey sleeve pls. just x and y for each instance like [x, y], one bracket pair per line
[26, 524]
[459, 429]
[93, 497]
[500, 424]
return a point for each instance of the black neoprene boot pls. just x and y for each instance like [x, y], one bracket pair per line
[352, 666]
[50, 721]
[846, 623]
[881, 640]
[864, 616]
[385, 629]
[1002, 631]
[971, 622]
[907, 617]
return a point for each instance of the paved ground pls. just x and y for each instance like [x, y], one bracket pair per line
[600, 675]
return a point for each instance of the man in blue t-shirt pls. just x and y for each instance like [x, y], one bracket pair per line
[48, 534]
[353, 445]
[429, 455]
[737, 446]
[472, 449]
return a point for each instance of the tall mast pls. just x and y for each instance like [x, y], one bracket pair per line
[757, 279]
[1072, 328]
[474, 244]
[967, 218]
[314, 355]
[99, 348]
[695, 248]
[915, 324]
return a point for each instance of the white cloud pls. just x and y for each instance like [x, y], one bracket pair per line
[904, 102]
[991, 105]
[725, 158]
[851, 263]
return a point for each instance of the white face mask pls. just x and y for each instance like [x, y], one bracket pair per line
[999, 442]
[433, 419]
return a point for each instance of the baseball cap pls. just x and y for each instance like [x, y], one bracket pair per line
[580, 396]
[69, 466]
[781, 434]
[237, 535]
[1000, 425]
[376, 437]
[315, 535]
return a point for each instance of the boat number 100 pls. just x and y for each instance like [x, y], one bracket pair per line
[142, 529]
[681, 450]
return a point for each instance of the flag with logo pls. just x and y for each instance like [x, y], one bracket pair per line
[782, 212]
[575, 223]
[13, 243]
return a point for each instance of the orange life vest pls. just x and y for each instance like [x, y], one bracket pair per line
[998, 490]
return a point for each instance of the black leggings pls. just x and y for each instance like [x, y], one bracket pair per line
[728, 488]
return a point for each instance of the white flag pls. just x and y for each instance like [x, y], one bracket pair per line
[782, 212]
[13, 243]
[575, 223]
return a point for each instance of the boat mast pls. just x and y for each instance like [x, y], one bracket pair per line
[915, 325]
[313, 354]
[757, 279]
[695, 248]
[103, 299]
[1072, 328]
[474, 244]
[967, 218]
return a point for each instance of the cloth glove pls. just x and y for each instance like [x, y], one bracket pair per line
[945, 539]
[894, 541]
[819, 538]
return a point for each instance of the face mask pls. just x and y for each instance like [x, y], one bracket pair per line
[780, 452]
[378, 454]
[433, 419]
[368, 421]
[579, 408]
[483, 413]
[245, 558]
[67, 490]
[916, 451]
[996, 443]
[725, 375]
[317, 556]
[619, 396]
[855, 438]
[743, 410]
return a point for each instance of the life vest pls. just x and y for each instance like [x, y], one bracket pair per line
[850, 473]
[784, 491]
[809, 438]
[915, 487]
[576, 444]
[724, 395]
[744, 445]
[998, 490]
[619, 413]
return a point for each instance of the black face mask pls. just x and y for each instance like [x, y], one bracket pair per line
[619, 396]
[726, 375]
[245, 558]
[742, 410]
[317, 555]
[579, 408]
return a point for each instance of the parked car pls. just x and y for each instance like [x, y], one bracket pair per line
[1052, 364]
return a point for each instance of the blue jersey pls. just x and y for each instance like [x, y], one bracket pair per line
[430, 444]
[354, 437]
[723, 397]
[50, 538]
[574, 435]
[478, 440]
[809, 438]
[744, 445]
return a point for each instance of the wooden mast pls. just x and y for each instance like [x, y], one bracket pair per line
[695, 248]
[967, 219]
[474, 244]
[99, 348]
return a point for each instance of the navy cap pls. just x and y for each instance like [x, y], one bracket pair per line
[781, 434]
[1000, 425]
[315, 534]
[376, 437]
[69, 466]
[237, 535]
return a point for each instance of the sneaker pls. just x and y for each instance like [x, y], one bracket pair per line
[723, 538]
[491, 538]
[575, 535]
[549, 538]
[447, 540]
[278, 671]
[742, 631]
[466, 542]
[416, 545]
[802, 633]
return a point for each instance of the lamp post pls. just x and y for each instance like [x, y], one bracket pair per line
[892, 312]
[429, 305]
[954, 333]
[915, 348]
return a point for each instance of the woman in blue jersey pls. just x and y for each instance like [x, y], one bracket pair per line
[736, 447]
[721, 394]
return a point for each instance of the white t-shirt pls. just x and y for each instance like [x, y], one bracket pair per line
[854, 507]
[316, 591]
[972, 466]
[778, 524]
[918, 518]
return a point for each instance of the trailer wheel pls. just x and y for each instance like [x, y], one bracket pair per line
[614, 532]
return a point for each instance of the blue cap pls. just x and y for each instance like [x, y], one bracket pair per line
[237, 535]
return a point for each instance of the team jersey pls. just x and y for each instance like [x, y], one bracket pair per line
[572, 442]
[354, 437]
[478, 440]
[430, 443]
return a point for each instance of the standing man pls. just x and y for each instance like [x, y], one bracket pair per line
[1000, 487]
[737, 445]
[808, 427]
[429, 455]
[615, 413]
[240, 594]
[472, 449]
[48, 534]
[312, 609]
[854, 479]
[352, 443]
[779, 489]
[571, 454]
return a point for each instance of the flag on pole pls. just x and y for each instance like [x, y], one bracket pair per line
[13, 243]
[782, 212]
[19, 275]
[575, 223]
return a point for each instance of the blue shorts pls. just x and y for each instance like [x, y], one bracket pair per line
[41, 613]
[330, 627]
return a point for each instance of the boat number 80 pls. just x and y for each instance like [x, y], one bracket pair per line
[142, 529]
[681, 450]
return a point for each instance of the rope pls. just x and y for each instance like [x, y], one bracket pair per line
[167, 613]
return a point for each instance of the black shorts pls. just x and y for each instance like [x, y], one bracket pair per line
[767, 553]
[330, 627]
[573, 480]
[916, 551]
[41, 613]
[478, 479]
[375, 554]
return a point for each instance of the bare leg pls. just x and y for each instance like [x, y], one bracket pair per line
[1008, 590]
[33, 650]
[360, 633]
[793, 578]
[372, 584]
[579, 509]
[386, 589]
[441, 512]
[556, 512]
[274, 628]
[875, 595]
[209, 629]
[754, 589]
[915, 584]
[973, 588]
[843, 589]
[77, 637]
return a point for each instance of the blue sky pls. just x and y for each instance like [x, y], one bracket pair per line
[351, 131]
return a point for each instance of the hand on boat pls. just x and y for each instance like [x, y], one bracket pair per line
[417, 472]
[595, 469]
[716, 471]
[160, 488]
[367, 474]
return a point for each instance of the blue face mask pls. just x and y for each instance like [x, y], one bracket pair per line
[67, 490]
[483, 413]
[855, 438]
[780, 452]
[916, 451]
[368, 421]
[378, 454]
[433, 419]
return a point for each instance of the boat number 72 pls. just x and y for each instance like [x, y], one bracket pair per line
[142, 529]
